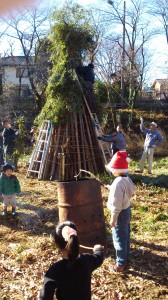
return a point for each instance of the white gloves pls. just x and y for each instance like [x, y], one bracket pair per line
[118, 128]
[17, 132]
[141, 119]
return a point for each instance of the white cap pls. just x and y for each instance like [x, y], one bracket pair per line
[153, 124]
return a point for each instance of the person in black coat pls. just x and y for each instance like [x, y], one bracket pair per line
[87, 73]
[9, 136]
[70, 278]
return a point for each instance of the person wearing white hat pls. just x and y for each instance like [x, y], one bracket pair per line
[153, 139]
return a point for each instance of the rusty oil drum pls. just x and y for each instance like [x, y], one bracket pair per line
[81, 202]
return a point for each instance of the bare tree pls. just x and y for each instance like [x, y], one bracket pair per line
[29, 29]
[130, 26]
[159, 10]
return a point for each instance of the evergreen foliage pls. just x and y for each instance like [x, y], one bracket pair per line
[72, 39]
[19, 145]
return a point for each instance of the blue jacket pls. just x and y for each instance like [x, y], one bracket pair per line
[118, 141]
[153, 137]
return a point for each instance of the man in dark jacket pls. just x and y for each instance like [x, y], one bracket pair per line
[8, 136]
[87, 73]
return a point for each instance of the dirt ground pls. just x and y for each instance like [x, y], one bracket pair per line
[27, 249]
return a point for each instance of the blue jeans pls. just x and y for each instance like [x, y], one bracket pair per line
[121, 237]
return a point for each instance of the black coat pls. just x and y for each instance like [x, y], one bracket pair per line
[86, 72]
[9, 138]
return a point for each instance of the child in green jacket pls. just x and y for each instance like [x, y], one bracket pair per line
[9, 187]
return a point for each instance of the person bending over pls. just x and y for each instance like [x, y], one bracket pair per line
[116, 138]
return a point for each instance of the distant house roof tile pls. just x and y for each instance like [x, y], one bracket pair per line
[14, 60]
[160, 81]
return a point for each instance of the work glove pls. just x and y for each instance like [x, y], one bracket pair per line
[99, 138]
[153, 146]
[118, 128]
[17, 132]
[141, 119]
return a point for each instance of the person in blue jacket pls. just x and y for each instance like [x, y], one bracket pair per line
[116, 138]
[153, 139]
[70, 278]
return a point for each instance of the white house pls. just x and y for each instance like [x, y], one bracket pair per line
[160, 87]
[13, 70]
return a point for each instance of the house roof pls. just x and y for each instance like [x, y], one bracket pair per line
[160, 81]
[14, 61]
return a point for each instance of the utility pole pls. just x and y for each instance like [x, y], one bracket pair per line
[123, 57]
[123, 51]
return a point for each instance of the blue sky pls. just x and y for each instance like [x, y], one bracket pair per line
[158, 46]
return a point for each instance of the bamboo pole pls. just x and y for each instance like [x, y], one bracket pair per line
[77, 145]
[53, 167]
[90, 143]
[89, 248]
[49, 156]
[82, 141]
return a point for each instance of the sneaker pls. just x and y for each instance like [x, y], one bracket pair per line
[4, 213]
[138, 171]
[117, 269]
[14, 213]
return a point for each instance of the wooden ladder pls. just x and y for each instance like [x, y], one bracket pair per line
[104, 146]
[38, 159]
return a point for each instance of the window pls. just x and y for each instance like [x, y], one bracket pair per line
[21, 72]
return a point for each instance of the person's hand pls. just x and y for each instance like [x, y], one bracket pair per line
[112, 223]
[17, 132]
[99, 138]
[96, 247]
[153, 146]
[107, 186]
[118, 128]
[141, 119]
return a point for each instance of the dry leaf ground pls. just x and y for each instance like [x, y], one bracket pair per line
[26, 246]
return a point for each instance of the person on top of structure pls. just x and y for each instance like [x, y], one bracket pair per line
[87, 73]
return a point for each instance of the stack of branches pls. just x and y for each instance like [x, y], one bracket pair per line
[72, 146]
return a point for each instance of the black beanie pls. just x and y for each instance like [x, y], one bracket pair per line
[7, 167]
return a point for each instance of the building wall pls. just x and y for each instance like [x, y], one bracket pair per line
[157, 87]
[9, 77]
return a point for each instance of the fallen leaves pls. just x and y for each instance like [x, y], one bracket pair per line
[27, 249]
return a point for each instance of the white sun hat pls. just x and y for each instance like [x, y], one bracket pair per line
[153, 124]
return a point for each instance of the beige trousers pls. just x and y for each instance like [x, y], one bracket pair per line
[9, 200]
[147, 154]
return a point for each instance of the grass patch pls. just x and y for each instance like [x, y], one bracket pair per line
[27, 247]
